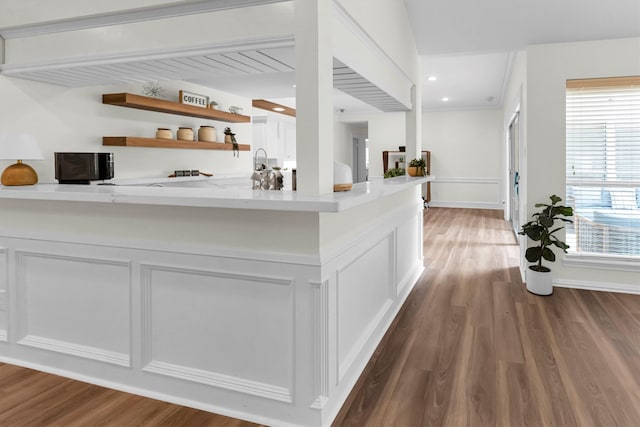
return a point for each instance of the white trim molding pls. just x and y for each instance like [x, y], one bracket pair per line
[78, 350]
[168, 247]
[600, 262]
[466, 180]
[127, 16]
[465, 205]
[496, 204]
[319, 343]
[597, 286]
[255, 388]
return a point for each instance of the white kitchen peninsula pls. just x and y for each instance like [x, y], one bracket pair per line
[260, 305]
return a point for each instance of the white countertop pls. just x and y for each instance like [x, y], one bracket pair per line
[216, 197]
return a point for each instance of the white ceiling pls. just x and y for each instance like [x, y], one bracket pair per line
[469, 44]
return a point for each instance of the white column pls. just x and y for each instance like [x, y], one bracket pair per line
[413, 123]
[314, 96]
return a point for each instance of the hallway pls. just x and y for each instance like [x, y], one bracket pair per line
[472, 347]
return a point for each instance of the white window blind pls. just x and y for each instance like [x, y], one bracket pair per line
[603, 165]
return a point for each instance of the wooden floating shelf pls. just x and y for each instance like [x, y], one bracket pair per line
[130, 141]
[163, 106]
[273, 107]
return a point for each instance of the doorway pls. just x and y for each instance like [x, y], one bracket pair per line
[514, 172]
[360, 158]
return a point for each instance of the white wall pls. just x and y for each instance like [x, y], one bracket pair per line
[74, 119]
[342, 143]
[548, 68]
[343, 139]
[386, 132]
[388, 24]
[466, 157]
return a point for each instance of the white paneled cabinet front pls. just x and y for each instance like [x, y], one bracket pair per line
[267, 336]
[76, 305]
[187, 317]
[363, 288]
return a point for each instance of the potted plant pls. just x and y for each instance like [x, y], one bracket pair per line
[392, 172]
[540, 229]
[416, 167]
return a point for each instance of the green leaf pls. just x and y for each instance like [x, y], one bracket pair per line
[565, 210]
[562, 245]
[548, 254]
[534, 232]
[555, 199]
[533, 254]
[546, 221]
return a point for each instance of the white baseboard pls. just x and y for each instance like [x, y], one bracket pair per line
[466, 205]
[598, 286]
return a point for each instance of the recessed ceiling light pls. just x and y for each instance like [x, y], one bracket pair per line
[294, 86]
[278, 109]
[432, 78]
[445, 99]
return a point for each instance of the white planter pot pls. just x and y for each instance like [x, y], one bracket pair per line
[539, 283]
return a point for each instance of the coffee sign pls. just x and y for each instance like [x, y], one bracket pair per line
[190, 98]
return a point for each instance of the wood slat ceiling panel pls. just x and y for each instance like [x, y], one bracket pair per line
[268, 60]
[107, 74]
[197, 66]
[167, 71]
[130, 73]
[246, 62]
[350, 82]
[44, 77]
[212, 66]
[243, 63]
[177, 67]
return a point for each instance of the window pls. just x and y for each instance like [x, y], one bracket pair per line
[603, 165]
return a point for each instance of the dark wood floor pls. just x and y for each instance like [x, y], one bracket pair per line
[470, 348]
